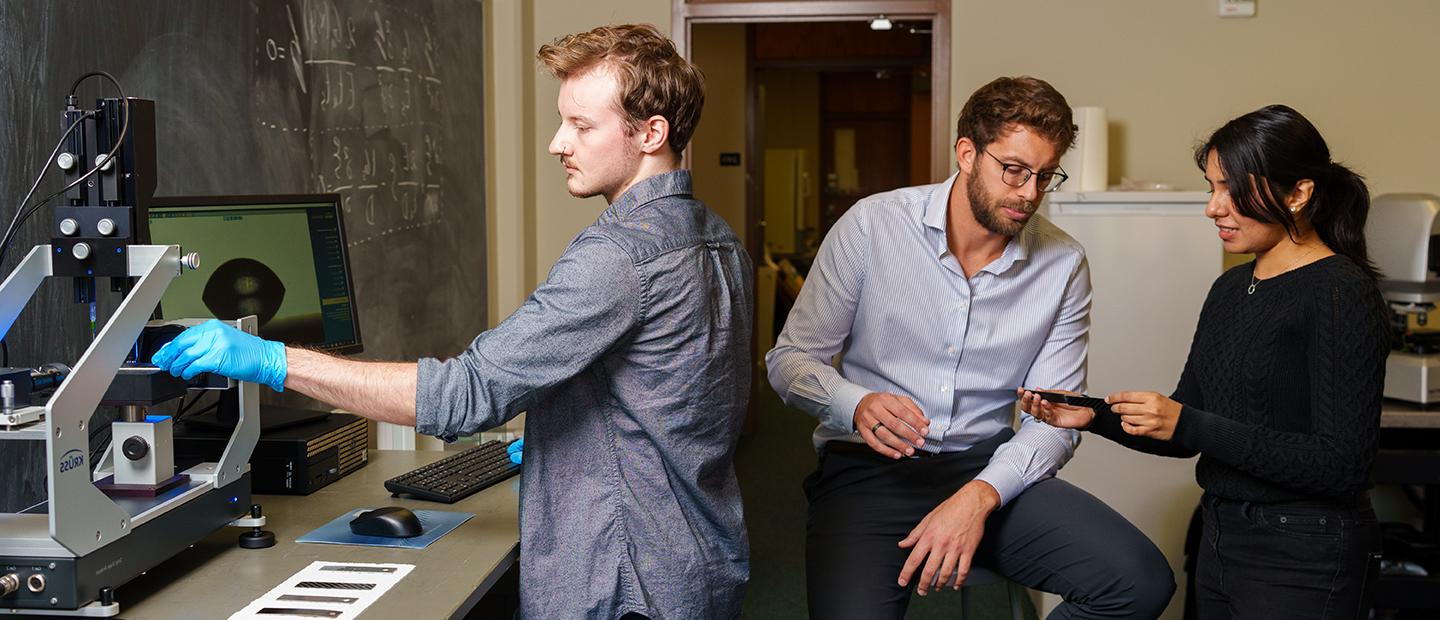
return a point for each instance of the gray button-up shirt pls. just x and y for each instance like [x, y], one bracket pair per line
[886, 293]
[632, 360]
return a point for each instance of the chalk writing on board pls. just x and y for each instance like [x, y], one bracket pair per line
[362, 87]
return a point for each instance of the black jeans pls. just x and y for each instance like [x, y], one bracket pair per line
[1053, 537]
[1306, 560]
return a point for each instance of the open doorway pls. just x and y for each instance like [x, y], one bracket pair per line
[807, 111]
[810, 108]
[841, 111]
[717, 35]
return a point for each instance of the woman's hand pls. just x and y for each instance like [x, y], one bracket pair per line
[1146, 414]
[1057, 415]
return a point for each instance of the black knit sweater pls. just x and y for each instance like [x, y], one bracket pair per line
[1282, 388]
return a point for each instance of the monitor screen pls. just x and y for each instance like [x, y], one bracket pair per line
[280, 258]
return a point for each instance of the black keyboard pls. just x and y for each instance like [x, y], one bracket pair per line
[457, 476]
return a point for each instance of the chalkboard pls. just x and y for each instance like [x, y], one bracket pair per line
[377, 100]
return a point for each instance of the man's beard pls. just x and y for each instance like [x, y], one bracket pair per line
[986, 210]
[610, 180]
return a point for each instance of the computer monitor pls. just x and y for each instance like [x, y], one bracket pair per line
[281, 258]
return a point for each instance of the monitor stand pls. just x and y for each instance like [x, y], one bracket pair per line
[272, 418]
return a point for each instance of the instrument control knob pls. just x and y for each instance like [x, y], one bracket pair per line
[69, 227]
[105, 227]
[81, 251]
[135, 448]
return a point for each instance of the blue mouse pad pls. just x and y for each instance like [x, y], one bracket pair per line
[433, 523]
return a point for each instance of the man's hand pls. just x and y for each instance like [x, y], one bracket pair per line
[949, 536]
[215, 347]
[1146, 414]
[891, 425]
[1054, 414]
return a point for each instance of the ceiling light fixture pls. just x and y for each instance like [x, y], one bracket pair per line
[881, 23]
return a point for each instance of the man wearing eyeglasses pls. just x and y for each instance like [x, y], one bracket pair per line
[941, 300]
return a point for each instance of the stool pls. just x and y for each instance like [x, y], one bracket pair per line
[985, 577]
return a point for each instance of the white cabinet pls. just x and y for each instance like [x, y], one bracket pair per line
[1153, 257]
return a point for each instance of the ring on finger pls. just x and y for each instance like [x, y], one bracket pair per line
[876, 427]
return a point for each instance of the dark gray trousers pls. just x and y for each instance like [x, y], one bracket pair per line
[1054, 537]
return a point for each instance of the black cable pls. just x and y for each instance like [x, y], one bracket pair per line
[21, 216]
[23, 213]
[98, 452]
[15, 221]
[185, 409]
[96, 429]
[206, 409]
[184, 406]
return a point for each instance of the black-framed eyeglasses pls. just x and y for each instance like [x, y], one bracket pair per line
[1016, 175]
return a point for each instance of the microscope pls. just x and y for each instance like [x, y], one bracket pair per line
[1403, 237]
[106, 522]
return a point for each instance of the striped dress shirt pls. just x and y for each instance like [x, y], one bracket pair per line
[886, 295]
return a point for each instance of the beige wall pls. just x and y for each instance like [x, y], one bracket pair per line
[558, 216]
[1170, 72]
[719, 51]
[509, 120]
[1167, 72]
[530, 217]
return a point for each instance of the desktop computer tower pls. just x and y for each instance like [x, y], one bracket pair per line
[295, 459]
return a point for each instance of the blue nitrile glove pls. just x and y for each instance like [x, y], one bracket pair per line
[219, 348]
[514, 449]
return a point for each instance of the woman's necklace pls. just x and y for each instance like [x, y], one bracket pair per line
[1256, 280]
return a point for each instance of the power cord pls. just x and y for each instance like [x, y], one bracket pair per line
[25, 211]
[20, 214]
[184, 411]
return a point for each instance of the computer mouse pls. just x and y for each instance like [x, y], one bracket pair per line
[389, 521]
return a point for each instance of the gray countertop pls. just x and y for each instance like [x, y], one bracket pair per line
[216, 578]
[1400, 414]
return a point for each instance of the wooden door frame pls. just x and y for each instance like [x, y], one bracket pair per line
[685, 14]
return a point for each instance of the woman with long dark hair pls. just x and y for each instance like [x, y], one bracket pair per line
[1281, 392]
